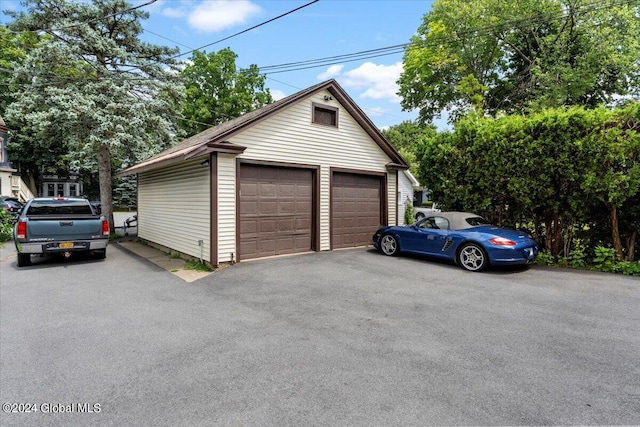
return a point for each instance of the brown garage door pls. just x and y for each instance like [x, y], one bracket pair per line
[276, 210]
[356, 209]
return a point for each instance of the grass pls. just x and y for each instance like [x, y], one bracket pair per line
[197, 266]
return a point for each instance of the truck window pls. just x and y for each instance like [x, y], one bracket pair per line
[59, 207]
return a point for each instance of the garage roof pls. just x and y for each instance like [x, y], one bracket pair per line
[213, 139]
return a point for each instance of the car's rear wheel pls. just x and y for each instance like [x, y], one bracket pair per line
[24, 260]
[389, 245]
[100, 254]
[472, 257]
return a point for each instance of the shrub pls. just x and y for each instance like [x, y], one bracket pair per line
[6, 226]
[628, 268]
[544, 258]
[408, 214]
[605, 259]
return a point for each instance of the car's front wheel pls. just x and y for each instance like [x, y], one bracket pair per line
[472, 257]
[419, 216]
[389, 245]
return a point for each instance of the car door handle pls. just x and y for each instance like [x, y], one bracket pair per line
[66, 223]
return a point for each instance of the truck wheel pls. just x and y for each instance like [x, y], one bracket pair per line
[24, 260]
[101, 254]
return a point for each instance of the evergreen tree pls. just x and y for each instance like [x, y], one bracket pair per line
[94, 87]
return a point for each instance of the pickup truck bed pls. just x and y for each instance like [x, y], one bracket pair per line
[59, 225]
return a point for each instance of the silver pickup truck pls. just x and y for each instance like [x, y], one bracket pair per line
[419, 212]
[59, 226]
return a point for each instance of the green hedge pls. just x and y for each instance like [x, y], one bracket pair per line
[568, 175]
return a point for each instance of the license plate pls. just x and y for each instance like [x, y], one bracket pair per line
[66, 245]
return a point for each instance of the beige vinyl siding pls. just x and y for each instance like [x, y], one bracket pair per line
[290, 137]
[174, 209]
[226, 207]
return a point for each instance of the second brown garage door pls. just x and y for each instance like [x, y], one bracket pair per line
[356, 209]
[276, 210]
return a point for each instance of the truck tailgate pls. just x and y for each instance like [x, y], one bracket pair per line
[81, 228]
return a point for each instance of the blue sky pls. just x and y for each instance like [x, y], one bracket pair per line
[323, 29]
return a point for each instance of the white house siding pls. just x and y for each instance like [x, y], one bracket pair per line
[290, 137]
[406, 195]
[163, 197]
[226, 207]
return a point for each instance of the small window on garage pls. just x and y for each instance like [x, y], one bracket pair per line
[325, 115]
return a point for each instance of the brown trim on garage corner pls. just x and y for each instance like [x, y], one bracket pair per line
[384, 215]
[385, 199]
[315, 232]
[213, 215]
[397, 201]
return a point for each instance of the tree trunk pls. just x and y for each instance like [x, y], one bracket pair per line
[615, 232]
[553, 233]
[32, 183]
[557, 236]
[104, 175]
[631, 246]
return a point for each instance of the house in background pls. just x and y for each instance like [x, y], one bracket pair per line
[309, 172]
[408, 185]
[11, 183]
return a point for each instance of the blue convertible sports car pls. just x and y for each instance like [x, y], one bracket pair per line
[462, 237]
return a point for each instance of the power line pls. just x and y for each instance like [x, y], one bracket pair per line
[247, 30]
[392, 50]
[166, 38]
[240, 32]
[52, 30]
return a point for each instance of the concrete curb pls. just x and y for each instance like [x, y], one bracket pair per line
[162, 260]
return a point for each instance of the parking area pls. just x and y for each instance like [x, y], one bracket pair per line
[338, 338]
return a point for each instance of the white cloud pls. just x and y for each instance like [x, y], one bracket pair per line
[218, 15]
[379, 80]
[277, 94]
[331, 72]
[174, 12]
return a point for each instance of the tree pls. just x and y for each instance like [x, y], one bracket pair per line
[492, 56]
[217, 91]
[564, 171]
[13, 51]
[614, 176]
[95, 87]
[405, 138]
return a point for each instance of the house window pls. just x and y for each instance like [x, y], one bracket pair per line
[325, 115]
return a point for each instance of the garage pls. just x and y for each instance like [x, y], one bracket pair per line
[356, 208]
[309, 172]
[276, 210]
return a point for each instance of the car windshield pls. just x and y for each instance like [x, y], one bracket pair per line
[475, 221]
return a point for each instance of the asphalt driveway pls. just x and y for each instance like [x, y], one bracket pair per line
[342, 338]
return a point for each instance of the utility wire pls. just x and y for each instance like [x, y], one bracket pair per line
[52, 30]
[391, 50]
[247, 30]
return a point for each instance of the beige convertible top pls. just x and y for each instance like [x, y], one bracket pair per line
[457, 220]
